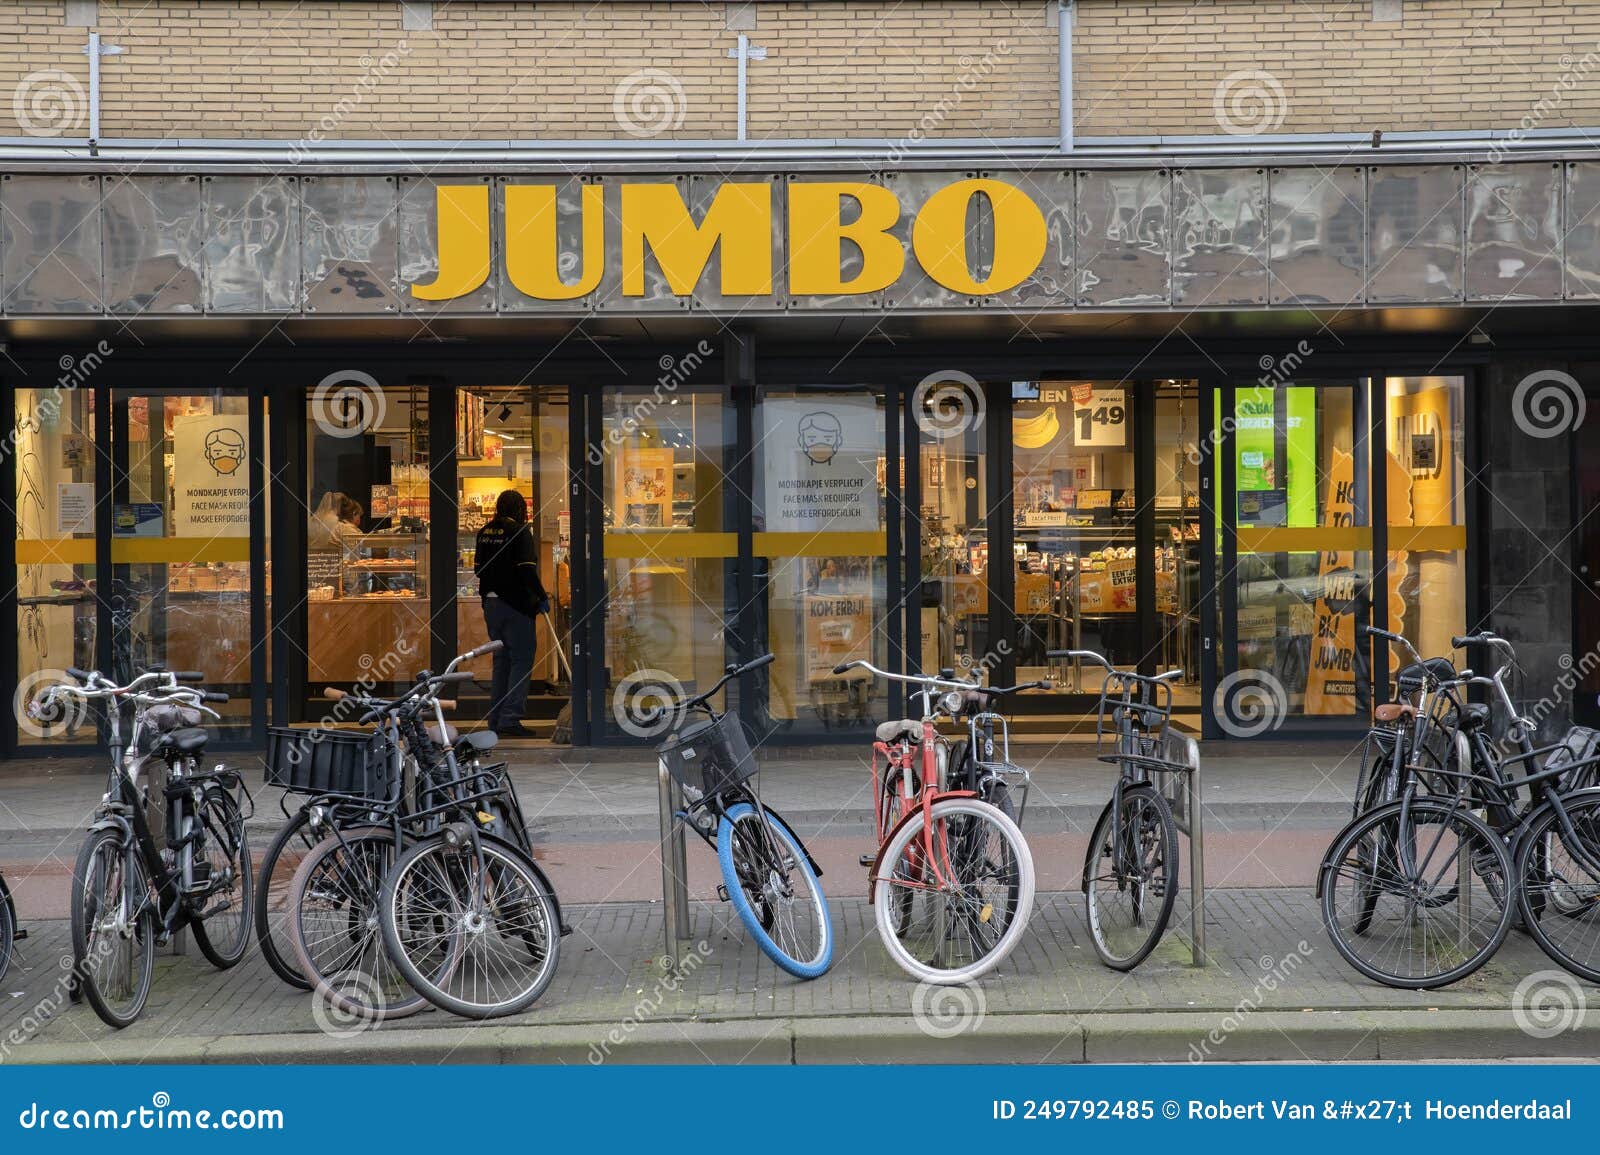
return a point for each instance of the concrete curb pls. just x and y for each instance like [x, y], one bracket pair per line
[1145, 1037]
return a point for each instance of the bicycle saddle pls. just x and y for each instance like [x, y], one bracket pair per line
[188, 740]
[478, 742]
[1394, 711]
[1410, 677]
[904, 728]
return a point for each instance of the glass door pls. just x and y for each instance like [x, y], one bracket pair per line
[1301, 585]
[820, 564]
[667, 545]
[56, 504]
[186, 590]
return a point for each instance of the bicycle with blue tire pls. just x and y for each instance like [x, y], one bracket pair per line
[768, 875]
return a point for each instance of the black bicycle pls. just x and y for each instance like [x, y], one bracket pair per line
[1130, 871]
[346, 805]
[472, 924]
[10, 932]
[1420, 891]
[166, 850]
[767, 873]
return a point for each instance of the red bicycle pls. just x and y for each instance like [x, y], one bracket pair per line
[952, 881]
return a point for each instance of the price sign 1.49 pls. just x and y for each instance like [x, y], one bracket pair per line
[1102, 421]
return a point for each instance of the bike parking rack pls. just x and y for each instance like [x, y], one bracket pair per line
[674, 870]
[1181, 789]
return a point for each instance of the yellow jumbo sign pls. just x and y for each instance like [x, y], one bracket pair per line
[654, 217]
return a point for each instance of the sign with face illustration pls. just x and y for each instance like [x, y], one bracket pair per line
[211, 476]
[821, 468]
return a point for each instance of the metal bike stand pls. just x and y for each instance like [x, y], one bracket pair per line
[674, 869]
[1187, 811]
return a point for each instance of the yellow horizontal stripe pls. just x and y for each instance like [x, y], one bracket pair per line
[1304, 539]
[1427, 538]
[669, 543]
[56, 551]
[842, 544]
[162, 550]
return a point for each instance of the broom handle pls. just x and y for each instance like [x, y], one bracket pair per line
[561, 652]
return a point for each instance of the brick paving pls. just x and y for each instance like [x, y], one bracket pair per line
[609, 966]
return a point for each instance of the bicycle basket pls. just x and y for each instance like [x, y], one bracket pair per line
[314, 761]
[709, 756]
[1579, 746]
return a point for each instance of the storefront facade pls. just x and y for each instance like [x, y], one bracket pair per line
[1201, 413]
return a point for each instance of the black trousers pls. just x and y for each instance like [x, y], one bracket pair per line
[513, 662]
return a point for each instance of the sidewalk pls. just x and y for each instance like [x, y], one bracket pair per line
[1275, 990]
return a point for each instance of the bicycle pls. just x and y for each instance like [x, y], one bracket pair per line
[768, 875]
[166, 849]
[376, 942]
[316, 818]
[962, 857]
[1130, 869]
[10, 932]
[1416, 891]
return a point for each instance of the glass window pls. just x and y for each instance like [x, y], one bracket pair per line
[954, 522]
[1427, 512]
[1177, 544]
[55, 552]
[666, 546]
[1076, 540]
[180, 545]
[820, 549]
[367, 590]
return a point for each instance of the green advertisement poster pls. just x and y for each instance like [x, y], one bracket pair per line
[1265, 497]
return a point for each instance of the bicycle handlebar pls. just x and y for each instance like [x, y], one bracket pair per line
[910, 679]
[732, 671]
[486, 648]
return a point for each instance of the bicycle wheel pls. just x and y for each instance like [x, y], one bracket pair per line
[775, 891]
[974, 897]
[900, 790]
[8, 929]
[1131, 877]
[473, 930]
[274, 884]
[1443, 906]
[113, 929]
[1560, 887]
[222, 925]
[335, 927]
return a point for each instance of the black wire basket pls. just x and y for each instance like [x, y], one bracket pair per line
[709, 756]
[317, 761]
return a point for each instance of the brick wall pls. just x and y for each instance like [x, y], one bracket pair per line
[857, 68]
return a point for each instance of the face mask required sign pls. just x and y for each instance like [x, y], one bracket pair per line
[821, 471]
[211, 476]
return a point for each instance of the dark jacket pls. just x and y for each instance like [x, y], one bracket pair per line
[507, 565]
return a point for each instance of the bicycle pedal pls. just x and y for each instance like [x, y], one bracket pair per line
[867, 860]
[566, 929]
[722, 892]
[19, 936]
